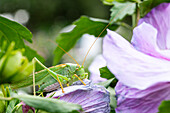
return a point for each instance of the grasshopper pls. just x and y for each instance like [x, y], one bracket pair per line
[61, 75]
[64, 74]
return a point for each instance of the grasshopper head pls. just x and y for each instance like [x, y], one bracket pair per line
[81, 72]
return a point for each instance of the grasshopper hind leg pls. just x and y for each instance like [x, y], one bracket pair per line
[53, 74]
[60, 84]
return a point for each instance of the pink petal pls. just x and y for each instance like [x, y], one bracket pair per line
[131, 100]
[98, 62]
[92, 98]
[130, 66]
[145, 40]
[159, 17]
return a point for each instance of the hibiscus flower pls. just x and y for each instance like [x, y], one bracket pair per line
[142, 66]
[92, 98]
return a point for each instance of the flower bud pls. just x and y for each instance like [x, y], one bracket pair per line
[13, 63]
[14, 66]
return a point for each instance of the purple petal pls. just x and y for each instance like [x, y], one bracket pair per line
[92, 98]
[130, 66]
[159, 18]
[86, 81]
[131, 100]
[26, 108]
[98, 62]
[145, 40]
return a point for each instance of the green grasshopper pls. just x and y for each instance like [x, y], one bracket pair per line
[63, 74]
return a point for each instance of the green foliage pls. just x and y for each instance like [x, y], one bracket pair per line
[2, 104]
[3, 48]
[50, 13]
[111, 2]
[48, 104]
[105, 73]
[125, 32]
[108, 2]
[14, 66]
[106, 83]
[120, 10]
[147, 5]
[12, 31]
[11, 107]
[83, 25]
[113, 102]
[164, 107]
[30, 54]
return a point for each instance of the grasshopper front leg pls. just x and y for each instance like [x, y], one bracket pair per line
[52, 73]
[79, 79]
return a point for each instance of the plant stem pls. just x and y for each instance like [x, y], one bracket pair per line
[34, 76]
[6, 98]
[125, 25]
[134, 20]
[3, 90]
[136, 17]
[137, 14]
[5, 95]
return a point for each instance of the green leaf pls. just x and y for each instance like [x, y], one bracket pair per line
[105, 73]
[120, 10]
[11, 106]
[48, 104]
[111, 2]
[3, 48]
[108, 2]
[30, 53]
[125, 32]
[147, 5]
[2, 104]
[164, 107]
[83, 25]
[113, 102]
[106, 83]
[12, 31]
[10, 35]
[20, 31]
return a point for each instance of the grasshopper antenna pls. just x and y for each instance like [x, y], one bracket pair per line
[65, 52]
[95, 41]
[98, 37]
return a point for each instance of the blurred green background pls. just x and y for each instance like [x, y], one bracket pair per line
[45, 19]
